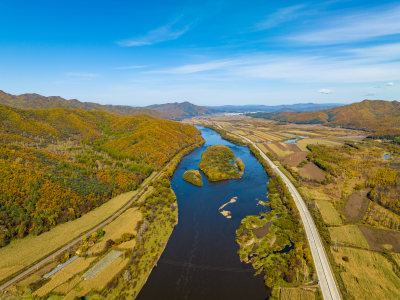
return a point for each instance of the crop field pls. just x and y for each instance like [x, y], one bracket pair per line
[329, 213]
[356, 192]
[348, 235]
[295, 293]
[312, 172]
[125, 223]
[302, 144]
[100, 281]
[64, 275]
[367, 273]
[24, 252]
[382, 240]
[356, 206]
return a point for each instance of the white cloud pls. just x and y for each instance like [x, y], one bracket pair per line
[390, 84]
[325, 91]
[168, 32]
[353, 27]
[281, 16]
[200, 67]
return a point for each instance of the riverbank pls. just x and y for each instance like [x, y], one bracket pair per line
[200, 260]
[119, 204]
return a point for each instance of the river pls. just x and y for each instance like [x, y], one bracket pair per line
[200, 260]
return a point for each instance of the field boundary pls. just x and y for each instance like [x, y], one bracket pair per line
[47, 258]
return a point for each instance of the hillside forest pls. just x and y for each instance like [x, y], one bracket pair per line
[58, 164]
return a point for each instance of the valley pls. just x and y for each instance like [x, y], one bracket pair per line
[349, 185]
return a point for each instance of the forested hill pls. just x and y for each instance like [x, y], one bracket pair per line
[181, 110]
[33, 101]
[57, 164]
[382, 118]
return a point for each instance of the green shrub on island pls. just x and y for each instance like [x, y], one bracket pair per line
[193, 177]
[218, 162]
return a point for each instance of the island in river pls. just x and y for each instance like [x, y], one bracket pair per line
[218, 162]
[193, 177]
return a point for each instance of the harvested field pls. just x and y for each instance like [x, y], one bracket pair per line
[295, 158]
[262, 231]
[67, 286]
[329, 213]
[279, 149]
[265, 147]
[381, 239]
[302, 144]
[314, 193]
[312, 172]
[348, 235]
[64, 275]
[100, 282]
[367, 273]
[356, 206]
[125, 223]
[102, 264]
[23, 252]
[286, 293]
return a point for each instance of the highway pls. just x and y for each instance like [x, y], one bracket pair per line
[326, 279]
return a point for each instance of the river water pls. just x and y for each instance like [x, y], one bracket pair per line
[200, 260]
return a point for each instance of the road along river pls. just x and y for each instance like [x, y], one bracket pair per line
[326, 279]
[200, 260]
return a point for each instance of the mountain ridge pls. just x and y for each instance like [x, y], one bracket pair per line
[380, 117]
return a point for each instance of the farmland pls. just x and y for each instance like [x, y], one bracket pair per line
[351, 190]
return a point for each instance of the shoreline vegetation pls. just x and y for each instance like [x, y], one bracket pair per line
[193, 177]
[218, 162]
[158, 207]
[274, 242]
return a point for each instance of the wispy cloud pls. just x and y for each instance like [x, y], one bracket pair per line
[129, 67]
[200, 67]
[390, 84]
[325, 91]
[81, 75]
[281, 16]
[168, 32]
[349, 66]
[353, 27]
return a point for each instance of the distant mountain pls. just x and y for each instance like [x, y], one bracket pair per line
[270, 108]
[181, 110]
[380, 117]
[35, 101]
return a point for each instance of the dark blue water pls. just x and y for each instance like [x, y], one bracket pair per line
[200, 260]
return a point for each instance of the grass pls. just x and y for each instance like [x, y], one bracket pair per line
[302, 144]
[280, 152]
[295, 293]
[313, 193]
[349, 235]
[367, 274]
[100, 281]
[329, 213]
[24, 252]
[125, 223]
[64, 275]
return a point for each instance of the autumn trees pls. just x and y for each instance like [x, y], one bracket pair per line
[58, 164]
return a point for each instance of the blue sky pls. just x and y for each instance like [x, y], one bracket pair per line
[206, 52]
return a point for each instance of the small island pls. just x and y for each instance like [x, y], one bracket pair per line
[193, 177]
[218, 162]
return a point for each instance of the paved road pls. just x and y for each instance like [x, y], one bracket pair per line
[69, 245]
[326, 279]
